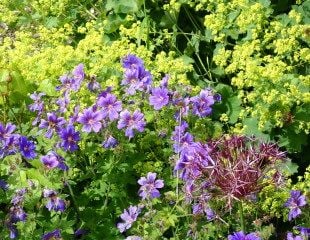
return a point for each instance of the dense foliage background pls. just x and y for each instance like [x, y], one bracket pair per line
[236, 69]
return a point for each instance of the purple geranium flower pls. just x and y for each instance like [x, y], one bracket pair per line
[202, 103]
[38, 104]
[78, 75]
[52, 160]
[17, 214]
[242, 236]
[54, 202]
[27, 148]
[111, 142]
[129, 216]
[63, 102]
[4, 185]
[19, 196]
[149, 186]
[93, 85]
[69, 138]
[110, 106]
[290, 236]
[159, 97]
[52, 124]
[135, 76]
[13, 230]
[303, 231]
[132, 61]
[91, 120]
[52, 235]
[6, 131]
[295, 201]
[131, 122]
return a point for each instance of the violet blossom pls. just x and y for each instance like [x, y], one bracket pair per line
[55, 234]
[91, 120]
[27, 148]
[242, 236]
[129, 216]
[159, 97]
[70, 138]
[110, 106]
[149, 186]
[202, 104]
[52, 124]
[294, 203]
[131, 122]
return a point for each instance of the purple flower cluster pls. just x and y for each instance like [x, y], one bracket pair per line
[73, 80]
[294, 203]
[136, 77]
[53, 201]
[17, 213]
[129, 216]
[149, 186]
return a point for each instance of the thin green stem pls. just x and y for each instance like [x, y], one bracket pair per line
[241, 216]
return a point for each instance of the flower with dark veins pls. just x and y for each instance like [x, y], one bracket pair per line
[129, 216]
[70, 138]
[91, 120]
[131, 121]
[294, 203]
[149, 186]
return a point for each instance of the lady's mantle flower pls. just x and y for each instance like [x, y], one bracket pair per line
[159, 97]
[52, 124]
[110, 106]
[52, 160]
[54, 202]
[69, 138]
[129, 217]
[294, 202]
[131, 122]
[242, 236]
[52, 235]
[91, 120]
[27, 148]
[149, 186]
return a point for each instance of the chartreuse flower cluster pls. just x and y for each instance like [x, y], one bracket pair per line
[268, 56]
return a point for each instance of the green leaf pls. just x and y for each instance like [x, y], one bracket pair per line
[35, 174]
[252, 129]
[234, 108]
[289, 167]
[123, 6]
